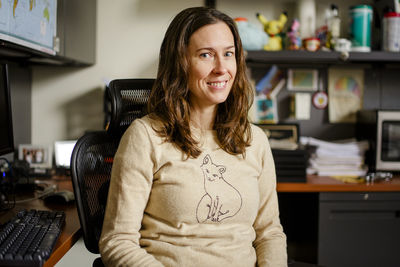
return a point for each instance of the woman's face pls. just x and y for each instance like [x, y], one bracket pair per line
[212, 65]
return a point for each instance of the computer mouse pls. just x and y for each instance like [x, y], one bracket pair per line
[60, 197]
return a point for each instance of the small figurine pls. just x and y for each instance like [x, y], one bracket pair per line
[293, 36]
[273, 28]
[253, 38]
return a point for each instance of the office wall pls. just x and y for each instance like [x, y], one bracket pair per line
[66, 101]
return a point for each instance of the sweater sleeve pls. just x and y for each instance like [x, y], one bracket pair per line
[270, 242]
[130, 185]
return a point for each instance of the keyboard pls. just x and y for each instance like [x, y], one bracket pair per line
[29, 238]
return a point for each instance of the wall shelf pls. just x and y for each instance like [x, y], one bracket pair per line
[322, 57]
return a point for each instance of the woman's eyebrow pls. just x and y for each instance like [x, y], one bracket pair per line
[213, 49]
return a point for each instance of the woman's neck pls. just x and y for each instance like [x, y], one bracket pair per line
[203, 119]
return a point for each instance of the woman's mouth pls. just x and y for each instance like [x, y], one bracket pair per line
[218, 84]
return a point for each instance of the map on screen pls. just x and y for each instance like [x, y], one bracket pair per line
[30, 23]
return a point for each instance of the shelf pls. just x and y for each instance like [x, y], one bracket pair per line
[322, 57]
[18, 53]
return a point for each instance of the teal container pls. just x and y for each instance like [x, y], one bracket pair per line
[360, 28]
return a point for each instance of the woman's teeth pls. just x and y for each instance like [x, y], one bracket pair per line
[218, 84]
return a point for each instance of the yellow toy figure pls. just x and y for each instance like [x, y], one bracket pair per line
[273, 28]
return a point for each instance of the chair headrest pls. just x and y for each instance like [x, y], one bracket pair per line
[128, 101]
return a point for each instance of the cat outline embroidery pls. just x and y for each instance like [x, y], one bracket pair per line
[221, 200]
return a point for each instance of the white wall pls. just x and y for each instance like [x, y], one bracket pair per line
[68, 101]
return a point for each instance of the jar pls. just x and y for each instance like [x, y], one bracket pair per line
[311, 44]
[391, 32]
[360, 28]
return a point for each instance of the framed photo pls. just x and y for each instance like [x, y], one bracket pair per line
[282, 136]
[302, 79]
[37, 156]
[266, 110]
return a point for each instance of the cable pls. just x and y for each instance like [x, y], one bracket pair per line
[47, 191]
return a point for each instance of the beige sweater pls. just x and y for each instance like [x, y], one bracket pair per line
[215, 210]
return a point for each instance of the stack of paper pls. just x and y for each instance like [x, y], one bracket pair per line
[339, 158]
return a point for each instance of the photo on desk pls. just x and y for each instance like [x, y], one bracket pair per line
[282, 136]
[37, 156]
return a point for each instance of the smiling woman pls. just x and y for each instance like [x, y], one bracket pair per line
[212, 70]
[193, 182]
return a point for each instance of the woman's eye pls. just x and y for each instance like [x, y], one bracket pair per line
[229, 54]
[205, 55]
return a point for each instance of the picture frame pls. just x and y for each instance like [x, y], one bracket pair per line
[266, 110]
[282, 136]
[302, 80]
[37, 156]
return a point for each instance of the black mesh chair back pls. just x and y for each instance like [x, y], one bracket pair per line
[93, 155]
[128, 98]
[91, 164]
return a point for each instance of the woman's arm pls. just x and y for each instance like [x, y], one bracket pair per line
[270, 242]
[130, 186]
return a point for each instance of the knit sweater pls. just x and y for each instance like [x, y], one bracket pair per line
[215, 210]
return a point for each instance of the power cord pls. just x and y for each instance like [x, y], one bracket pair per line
[49, 189]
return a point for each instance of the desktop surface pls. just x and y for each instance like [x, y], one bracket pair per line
[71, 229]
[317, 184]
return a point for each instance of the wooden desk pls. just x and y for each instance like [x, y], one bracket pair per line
[328, 184]
[332, 223]
[71, 229]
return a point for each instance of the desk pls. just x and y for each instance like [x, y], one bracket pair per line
[333, 223]
[328, 184]
[71, 229]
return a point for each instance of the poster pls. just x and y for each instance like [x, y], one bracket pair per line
[346, 90]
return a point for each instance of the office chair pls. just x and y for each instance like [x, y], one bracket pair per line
[93, 154]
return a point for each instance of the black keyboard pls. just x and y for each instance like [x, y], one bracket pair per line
[29, 238]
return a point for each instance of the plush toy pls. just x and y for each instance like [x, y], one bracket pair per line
[253, 38]
[293, 36]
[273, 28]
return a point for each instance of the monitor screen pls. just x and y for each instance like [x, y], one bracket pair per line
[63, 152]
[6, 128]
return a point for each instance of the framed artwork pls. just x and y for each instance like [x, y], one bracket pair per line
[302, 79]
[37, 156]
[266, 111]
[346, 92]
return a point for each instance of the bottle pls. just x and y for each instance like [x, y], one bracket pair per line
[334, 26]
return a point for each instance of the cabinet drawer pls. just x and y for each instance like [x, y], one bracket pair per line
[359, 229]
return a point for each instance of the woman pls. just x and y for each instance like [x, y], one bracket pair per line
[193, 183]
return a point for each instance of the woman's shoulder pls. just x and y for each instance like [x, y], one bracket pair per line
[144, 125]
[258, 133]
[146, 121]
[259, 138]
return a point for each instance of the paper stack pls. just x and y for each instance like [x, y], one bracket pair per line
[339, 158]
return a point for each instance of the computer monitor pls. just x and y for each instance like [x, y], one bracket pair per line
[6, 132]
[63, 153]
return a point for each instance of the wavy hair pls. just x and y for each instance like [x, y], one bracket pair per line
[169, 99]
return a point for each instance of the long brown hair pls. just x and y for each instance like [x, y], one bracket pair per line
[169, 99]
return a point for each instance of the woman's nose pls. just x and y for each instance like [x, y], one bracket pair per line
[219, 66]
